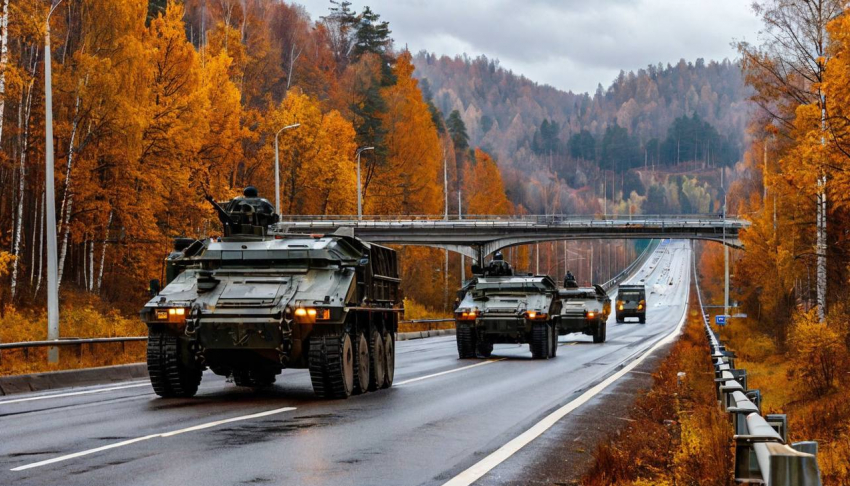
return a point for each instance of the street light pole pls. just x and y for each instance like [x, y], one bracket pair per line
[52, 265]
[359, 187]
[277, 167]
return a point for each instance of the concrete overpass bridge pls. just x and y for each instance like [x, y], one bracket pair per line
[479, 236]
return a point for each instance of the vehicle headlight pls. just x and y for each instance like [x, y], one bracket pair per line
[591, 315]
[172, 314]
[466, 314]
[309, 315]
[536, 316]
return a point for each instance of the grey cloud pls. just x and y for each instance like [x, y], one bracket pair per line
[572, 44]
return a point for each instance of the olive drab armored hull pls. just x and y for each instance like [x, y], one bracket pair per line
[585, 310]
[255, 302]
[498, 306]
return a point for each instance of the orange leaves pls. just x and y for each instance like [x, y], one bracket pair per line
[408, 181]
[317, 167]
[483, 188]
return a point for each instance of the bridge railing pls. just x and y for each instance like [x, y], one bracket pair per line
[762, 454]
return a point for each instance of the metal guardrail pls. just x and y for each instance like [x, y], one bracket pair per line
[542, 218]
[762, 454]
[79, 342]
[653, 244]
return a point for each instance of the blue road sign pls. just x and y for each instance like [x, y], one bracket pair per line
[720, 320]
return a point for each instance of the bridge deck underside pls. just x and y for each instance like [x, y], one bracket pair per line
[487, 237]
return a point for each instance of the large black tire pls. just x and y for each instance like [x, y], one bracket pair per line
[254, 378]
[643, 319]
[362, 364]
[599, 332]
[389, 359]
[541, 340]
[170, 377]
[377, 361]
[465, 342]
[484, 348]
[331, 360]
[554, 341]
[620, 320]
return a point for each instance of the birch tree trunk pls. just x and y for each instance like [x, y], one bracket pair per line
[91, 266]
[16, 247]
[68, 197]
[34, 232]
[4, 59]
[41, 230]
[103, 252]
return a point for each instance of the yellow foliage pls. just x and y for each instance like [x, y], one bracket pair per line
[5, 260]
[817, 353]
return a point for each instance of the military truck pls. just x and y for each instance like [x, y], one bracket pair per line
[498, 306]
[257, 300]
[585, 310]
[631, 302]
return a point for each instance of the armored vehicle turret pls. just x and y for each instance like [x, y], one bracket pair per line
[257, 301]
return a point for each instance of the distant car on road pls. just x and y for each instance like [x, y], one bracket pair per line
[500, 307]
[631, 302]
[585, 310]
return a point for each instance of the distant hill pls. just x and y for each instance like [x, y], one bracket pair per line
[660, 115]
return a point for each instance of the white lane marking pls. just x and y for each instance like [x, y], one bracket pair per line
[484, 466]
[73, 394]
[154, 436]
[413, 380]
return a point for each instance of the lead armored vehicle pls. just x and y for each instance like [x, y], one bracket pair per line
[257, 301]
[585, 310]
[498, 306]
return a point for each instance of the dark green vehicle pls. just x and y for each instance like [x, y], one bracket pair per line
[254, 302]
[499, 307]
[631, 302]
[585, 310]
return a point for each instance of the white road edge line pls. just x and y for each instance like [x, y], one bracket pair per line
[73, 394]
[413, 380]
[154, 436]
[482, 467]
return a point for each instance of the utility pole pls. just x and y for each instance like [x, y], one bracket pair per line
[462, 257]
[446, 185]
[537, 257]
[277, 167]
[52, 265]
[725, 252]
[359, 186]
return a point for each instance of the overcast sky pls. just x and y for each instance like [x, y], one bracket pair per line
[569, 44]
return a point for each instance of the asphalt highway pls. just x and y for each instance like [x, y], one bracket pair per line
[444, 420]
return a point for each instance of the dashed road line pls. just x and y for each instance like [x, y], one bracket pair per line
[153, 436]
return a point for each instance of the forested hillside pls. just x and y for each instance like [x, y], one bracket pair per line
[658, 117]
[158, 104]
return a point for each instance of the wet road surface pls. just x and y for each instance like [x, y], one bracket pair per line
[443, 418]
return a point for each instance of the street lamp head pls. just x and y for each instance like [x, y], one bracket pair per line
[363, 149]
[294, 125]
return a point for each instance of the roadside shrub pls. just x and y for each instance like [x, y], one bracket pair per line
[817, 353]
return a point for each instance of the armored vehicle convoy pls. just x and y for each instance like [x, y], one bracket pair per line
[631, 302]
[255, 302]
[585, 310]
[498, 306]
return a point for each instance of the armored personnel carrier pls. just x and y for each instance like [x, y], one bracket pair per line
[585, 310]
[498, 306]
[256, 301]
